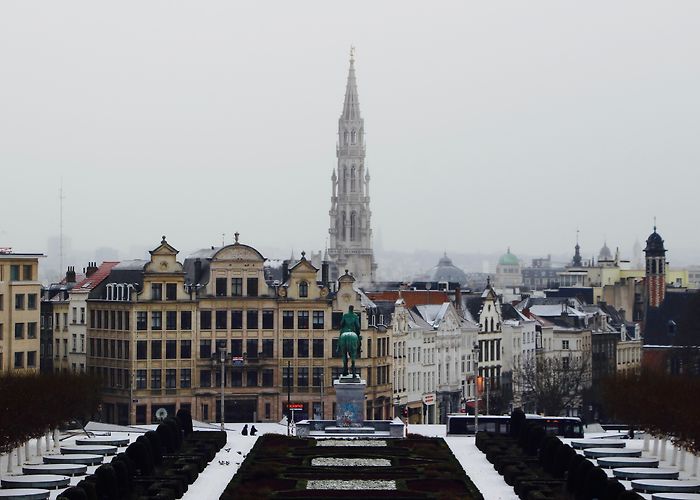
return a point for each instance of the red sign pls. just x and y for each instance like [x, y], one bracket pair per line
[295, 406]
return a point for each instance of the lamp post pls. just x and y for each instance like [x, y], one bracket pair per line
[222, 361]
[476, 351]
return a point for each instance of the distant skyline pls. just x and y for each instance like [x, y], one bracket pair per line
[488, 125]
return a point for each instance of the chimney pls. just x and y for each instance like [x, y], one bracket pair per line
[458, 299]
[91, 268]
[70, 274]
[325, 277]
[197, 270]
[285, 271]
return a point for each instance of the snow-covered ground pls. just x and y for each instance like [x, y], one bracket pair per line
[212, 482]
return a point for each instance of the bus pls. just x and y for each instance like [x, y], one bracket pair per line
[461, 424]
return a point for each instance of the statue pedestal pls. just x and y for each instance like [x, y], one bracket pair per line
[350, 401]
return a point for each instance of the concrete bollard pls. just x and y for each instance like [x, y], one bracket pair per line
[646, 442]
[674, 456]
[694, 472]
[19, 456]
[655, 448]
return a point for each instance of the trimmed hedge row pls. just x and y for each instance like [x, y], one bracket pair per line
[540, 467]
[160, 465]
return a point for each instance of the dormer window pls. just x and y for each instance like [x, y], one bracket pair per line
[303, 289]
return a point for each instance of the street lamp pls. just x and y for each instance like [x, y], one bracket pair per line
[476, 351]
[222, 361]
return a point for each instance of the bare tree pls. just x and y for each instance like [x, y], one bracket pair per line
[551, 384]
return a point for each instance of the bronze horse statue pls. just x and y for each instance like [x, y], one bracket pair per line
[350, 340]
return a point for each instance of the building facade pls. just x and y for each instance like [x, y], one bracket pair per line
[20, 311]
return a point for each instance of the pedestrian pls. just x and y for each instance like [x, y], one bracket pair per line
[253, 431]
[245, 430]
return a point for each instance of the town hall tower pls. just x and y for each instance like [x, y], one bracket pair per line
[350, 230]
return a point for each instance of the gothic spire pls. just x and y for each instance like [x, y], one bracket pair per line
[351, 106]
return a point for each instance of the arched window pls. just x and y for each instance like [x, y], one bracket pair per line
[344, 223]
[345, 179]
[303, 289]
[353, 226]
[345, 138]
[352, 179]
[353, 136]
[492, 329]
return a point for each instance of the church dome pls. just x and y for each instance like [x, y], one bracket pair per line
[508, 259]
[605, 253]
[447, 271]
[655, 244]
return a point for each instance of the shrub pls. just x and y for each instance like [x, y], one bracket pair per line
[185, 419]
[73, 493]
[517, 421]
[596, 482]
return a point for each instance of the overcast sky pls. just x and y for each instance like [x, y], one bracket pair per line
[488, 124]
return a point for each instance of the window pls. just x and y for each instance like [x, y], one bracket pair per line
[268, 377]
[303, 289]
[156, 291]
[19, 330]
[140, 320]
[236, 320]
[19, 360]
[75, 315]
[237, 348]
[185, 320]
[303, 348]
[236, 287]
[31, 332]
[141, 349]
[236, 378]
[268, 319]
[287, 348]
[171, 320]
[335, 320]
[251, 378]
[252, 287]
[268, 346]
[19, 301]
[156, 349]
[318, 319]
[251, 348]
[221, 287]
[317, 380]
[205, 378]
[251, 321]
[27, 272]
[156, 320]
[303, 377]
[140, 379]
[303, 320]
[14, 272]
[564, 344]
[31, 359]
[171, 291]
[205, 349]
[334, 349]
[185, 378]
[287, 320]
[565, 363]
[170, 349]
[170, 378]
[185, 349]
[318, 348]
[221, 320]
[155, 378]
[287, 376]
[205, 320]
[31, 303]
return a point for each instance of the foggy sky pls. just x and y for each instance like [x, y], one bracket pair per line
[488, 124]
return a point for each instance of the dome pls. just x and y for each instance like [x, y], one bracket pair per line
[605, 253]
[447, 271]
[655, 244]
[508, 259]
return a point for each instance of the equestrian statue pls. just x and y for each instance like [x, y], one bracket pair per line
[350, 340]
